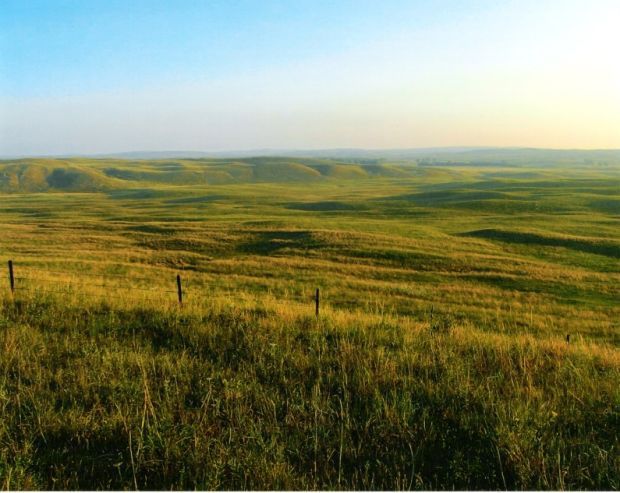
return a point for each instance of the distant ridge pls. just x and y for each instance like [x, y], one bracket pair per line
[268, 152]
[136, 169]
[500, 155]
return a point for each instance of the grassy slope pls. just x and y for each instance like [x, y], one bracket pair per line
[110, 385]
[88, 175]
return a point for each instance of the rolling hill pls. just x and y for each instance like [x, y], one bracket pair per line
[88, 175]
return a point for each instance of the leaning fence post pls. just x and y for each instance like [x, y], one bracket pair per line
[179, 290]
[11, 277]
[316, 300]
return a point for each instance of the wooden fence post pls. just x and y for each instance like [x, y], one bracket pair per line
[316, 300]
[179, 290]
[11, 277]
[431, 324]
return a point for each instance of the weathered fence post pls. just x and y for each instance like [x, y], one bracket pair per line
[431, 323]
[316, 300]
[11, 277]
[179, 290]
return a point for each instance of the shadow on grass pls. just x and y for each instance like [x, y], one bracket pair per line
[203, 199]
[270, 242]
[582, 245]
[326, 206]
[84, 459]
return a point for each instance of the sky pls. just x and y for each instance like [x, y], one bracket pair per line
[80, 77]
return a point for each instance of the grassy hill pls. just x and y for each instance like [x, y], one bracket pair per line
[468, 334]
[88, 175]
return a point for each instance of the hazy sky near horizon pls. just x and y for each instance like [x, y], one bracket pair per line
[109, 76]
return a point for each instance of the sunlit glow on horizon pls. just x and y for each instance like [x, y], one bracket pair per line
[532, 74]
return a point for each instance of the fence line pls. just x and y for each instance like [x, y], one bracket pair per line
[28, 283]
[180, 290]
[75, 281]
[72, 282]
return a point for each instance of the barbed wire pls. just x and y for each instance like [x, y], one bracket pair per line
[76, 280]
[46, 290]
[92, 274]
[189, 277]
[90, 284]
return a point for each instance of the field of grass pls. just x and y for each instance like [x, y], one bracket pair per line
[439, 360]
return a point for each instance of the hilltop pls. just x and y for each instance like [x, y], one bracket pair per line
[87, 174]
[131, 170]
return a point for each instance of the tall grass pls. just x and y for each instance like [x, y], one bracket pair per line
[268, 397]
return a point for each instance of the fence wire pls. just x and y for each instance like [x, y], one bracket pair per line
[33, 280]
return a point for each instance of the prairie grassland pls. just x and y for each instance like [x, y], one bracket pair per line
[439, 359]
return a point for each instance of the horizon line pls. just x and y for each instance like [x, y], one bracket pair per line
[281, 152]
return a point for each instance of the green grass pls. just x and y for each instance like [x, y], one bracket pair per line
[439, 360]
[253, 399]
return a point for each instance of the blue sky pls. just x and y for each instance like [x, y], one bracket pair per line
[60, 47]
[105, 76]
